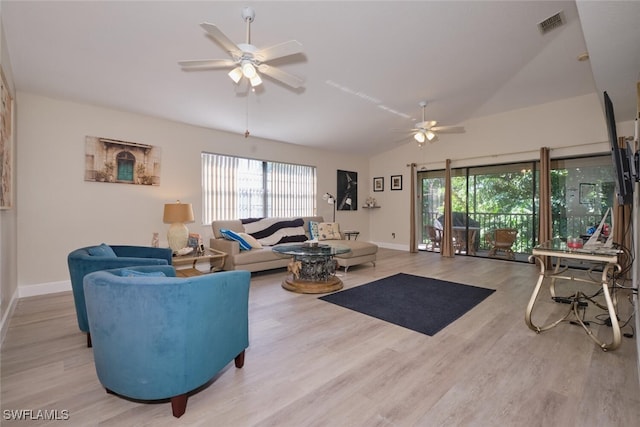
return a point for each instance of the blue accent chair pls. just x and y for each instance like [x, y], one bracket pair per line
[104, 257]
[163, 337]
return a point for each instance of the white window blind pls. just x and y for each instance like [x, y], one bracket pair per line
[234, 187]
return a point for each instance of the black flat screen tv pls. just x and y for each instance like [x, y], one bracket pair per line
[621, 159]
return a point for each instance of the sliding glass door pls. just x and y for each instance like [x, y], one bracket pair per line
[583, 189]
[486, 198]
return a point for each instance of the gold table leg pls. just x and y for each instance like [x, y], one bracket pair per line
[610, 304]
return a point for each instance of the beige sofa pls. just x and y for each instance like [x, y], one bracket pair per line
[265, 259]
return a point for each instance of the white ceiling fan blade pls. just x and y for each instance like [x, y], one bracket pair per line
[284, 77]
[426, 125]
[278, 51]
[448, 129]
[407, 132]
[207, 63]
[221, 38]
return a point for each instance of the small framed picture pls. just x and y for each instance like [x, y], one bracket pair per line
[194, 241]
[396, 182]
[378, 183]
[587, 194]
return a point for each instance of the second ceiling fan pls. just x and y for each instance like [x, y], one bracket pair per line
[428, 130]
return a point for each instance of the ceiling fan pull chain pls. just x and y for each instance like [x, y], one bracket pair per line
[246, 132]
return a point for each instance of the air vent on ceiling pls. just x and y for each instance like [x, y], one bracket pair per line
[551, 22]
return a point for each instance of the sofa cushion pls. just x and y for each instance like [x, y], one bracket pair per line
[232, 235]
[271, 231]
[358, 248]
[329, 231]
[256, 256]
[102, 250]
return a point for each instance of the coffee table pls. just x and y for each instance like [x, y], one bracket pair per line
[312, 267]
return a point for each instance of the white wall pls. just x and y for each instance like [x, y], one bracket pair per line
[8, 235]
[570, 127]
[59, 211]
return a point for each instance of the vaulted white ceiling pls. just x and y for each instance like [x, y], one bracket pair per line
[366, 64]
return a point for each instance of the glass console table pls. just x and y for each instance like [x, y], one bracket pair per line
[312, 268]
[598, 258]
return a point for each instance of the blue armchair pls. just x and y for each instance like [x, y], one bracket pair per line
[162, 337]
[104, 257]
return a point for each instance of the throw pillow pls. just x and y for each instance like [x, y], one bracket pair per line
[329, 231]
[102, 250]
[232, 235]
[313, 229]
[250, 240]
[125, 272]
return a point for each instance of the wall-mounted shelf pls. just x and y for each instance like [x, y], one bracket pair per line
[370, 207]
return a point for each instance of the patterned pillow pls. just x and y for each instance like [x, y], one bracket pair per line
[102, 250]
[250, 240]
[329, 231]
[313, 229]
[232, 235]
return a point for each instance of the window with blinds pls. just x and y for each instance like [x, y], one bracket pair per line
[235, 187]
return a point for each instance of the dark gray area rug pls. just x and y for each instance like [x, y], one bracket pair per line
[418, 303]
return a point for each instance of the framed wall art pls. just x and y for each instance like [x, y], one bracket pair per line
[347, 191]
[396, 182]
[587, 194]
[378, 183]
[122, 162]
[6, 141]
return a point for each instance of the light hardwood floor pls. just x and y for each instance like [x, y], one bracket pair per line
[311, 363]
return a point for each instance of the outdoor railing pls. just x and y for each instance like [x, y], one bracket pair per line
[526, 224]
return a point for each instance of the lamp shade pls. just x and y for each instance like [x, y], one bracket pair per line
[236, 74]
[177, 212]
[248, 69]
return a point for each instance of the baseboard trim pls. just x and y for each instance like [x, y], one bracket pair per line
[4, 326]
[393, 246]
[44, 288]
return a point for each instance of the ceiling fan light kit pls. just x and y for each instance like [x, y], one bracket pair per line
[426, 130]
[236, 74]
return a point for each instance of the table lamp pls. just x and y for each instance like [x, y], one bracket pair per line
[177, 214]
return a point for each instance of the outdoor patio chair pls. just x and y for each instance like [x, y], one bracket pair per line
[435, 236]
[501, 240]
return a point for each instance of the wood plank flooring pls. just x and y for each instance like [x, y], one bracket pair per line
[311, 363]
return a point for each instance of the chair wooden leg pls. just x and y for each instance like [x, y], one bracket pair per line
[239, 360]
[89, 344]
[179, 405]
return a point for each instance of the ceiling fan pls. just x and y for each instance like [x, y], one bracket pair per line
[247, 60]
[427, 130]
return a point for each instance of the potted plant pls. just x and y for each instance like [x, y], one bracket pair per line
[140, 171]
[109, 167]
